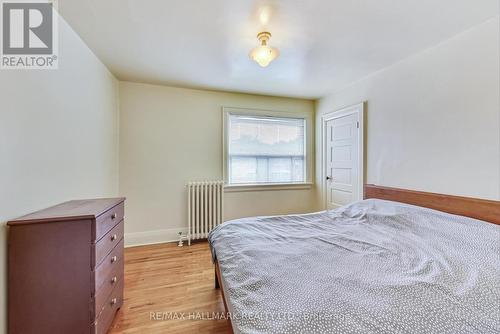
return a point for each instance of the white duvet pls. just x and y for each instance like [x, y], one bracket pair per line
[370, 267]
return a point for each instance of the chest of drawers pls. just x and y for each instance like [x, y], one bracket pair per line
[65, 268]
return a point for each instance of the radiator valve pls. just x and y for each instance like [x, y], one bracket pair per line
[181, 239]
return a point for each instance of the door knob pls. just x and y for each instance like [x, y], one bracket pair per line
[328, 178]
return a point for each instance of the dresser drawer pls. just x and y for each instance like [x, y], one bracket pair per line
[105, 222]
[111, 305]
[107, 243]
[109, 266]
[102, 294]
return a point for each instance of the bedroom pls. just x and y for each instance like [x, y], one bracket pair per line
[150, 101]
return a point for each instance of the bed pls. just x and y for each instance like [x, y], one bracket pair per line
[376, 266]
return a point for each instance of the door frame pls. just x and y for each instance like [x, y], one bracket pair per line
[359, 109]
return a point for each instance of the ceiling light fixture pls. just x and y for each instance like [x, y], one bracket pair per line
[264, 54]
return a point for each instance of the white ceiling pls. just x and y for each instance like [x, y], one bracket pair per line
[324, 44]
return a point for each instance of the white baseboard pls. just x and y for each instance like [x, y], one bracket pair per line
[153, 237]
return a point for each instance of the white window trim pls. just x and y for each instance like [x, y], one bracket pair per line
[309, 135]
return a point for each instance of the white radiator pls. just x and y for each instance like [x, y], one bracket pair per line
[205, 208]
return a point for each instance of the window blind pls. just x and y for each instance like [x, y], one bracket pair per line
[266, 150]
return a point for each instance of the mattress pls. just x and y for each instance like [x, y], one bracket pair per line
[370, 267]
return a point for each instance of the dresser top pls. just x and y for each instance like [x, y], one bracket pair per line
[72, 210]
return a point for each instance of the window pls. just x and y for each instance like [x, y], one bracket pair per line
[265, 149]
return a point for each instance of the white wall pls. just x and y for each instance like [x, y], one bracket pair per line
[433, 119]
[58, 137]
[170, 136]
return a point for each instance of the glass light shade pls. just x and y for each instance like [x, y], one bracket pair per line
[264, 55]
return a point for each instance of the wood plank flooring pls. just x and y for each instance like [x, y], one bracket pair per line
[166, 278]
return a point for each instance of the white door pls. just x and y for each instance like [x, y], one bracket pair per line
[343, 159]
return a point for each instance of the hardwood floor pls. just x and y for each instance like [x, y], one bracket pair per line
[166, 278]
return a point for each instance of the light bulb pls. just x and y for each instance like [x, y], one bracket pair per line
[264, 55]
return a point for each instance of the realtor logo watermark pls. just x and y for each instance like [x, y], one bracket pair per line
[29, 35]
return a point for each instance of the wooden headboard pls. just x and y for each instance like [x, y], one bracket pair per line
[465, 206]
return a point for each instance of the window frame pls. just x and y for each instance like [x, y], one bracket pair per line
[308, 147]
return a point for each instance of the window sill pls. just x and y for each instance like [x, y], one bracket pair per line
[267, 187]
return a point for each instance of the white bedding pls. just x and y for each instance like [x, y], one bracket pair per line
[370, 267]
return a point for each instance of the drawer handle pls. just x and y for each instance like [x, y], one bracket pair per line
[113, 259]
[113, 237]
[113, 301]
[113, 280]
[113, 216]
